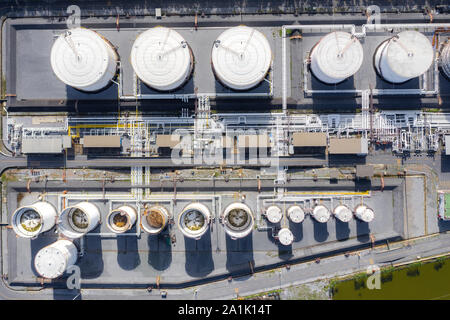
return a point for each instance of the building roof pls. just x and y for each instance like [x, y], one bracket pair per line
[447, 145]
[253, 141]
[167, 140]
[348, 146]
[309, 139]
[47, 145]
[91, 141]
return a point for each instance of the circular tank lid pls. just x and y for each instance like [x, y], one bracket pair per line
[79, 57]
[285, 236]
[338, 55]
[241, 57]
[78, 219]
[50, 262]
[365, 213]
[155, 220]
[409, 54]
[445, 59]
[273, 214]
[321, 213]
[296, 214]
[161, 58]
[343, 213]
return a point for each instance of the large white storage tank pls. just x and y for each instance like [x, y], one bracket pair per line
[121, 219]
[194, 220]
[296, 214]
[343, 213]
[238, 220]
[274, 214]
[445, 59]
[321, 213]
[53, 260]
[364, 213]
[75, 221]
[285, 236]
[405, 56]
[162, 59]
[241, 57]
[30, 221]
[336, 57]
[154, 219]
[83, 59]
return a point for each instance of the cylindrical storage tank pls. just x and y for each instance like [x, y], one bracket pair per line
[336, 57]
[121, 219]
[445, 59]
[154, 219]
[296, 214]
[30, 221]
[83, 59]
[274, 214]
[343, 213]
[321, 213]
[162, 59]
[238, 220]
[75, 221]
[364, 213]
[285, 236]
[403, 57]
[241, 57]
[53, 260]
[194, 220]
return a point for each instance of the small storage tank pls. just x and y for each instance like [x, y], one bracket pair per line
[274, 214]
[75, 221]
[121, 219]
[53, 260]
[343, 213]
[162, 59]
[194, 220]
[321, 213]
[83, 59]
[285, 236]
[445, 59]
[241, 57]
[154, 219]
[30, 221]
[238, 220]
[336, 57]
[364, 213]
[407, 55]
[296, 214]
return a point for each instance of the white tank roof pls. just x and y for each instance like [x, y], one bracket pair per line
[285, 236]
[274, 214]
[445, 59]
[29, 221]
[404, 56]
[77, 220]
[321, 213]
[343, 213]
[364, 213]
[296, 214]
[238, 220]
[161, 58]
[336, 57]
[82, 59]
[241, 57]
[194, 220]
[53, 260]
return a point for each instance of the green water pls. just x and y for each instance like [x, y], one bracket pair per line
[425, 281]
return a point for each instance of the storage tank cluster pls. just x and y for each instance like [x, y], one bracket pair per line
[161, 58]
[339, 55]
